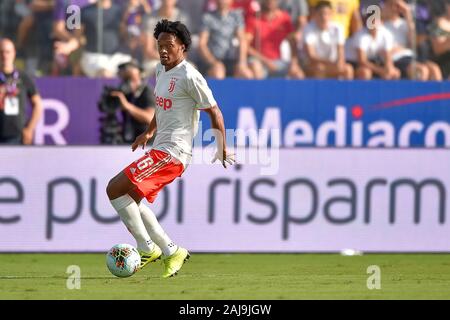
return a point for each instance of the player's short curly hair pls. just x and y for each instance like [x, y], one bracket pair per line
[176, 28]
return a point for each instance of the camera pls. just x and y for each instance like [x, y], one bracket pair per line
[111, 127]
[108, 104]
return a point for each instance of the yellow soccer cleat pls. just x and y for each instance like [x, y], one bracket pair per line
[147, 257]
[174, 262]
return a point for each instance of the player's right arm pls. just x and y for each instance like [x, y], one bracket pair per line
[143, 138]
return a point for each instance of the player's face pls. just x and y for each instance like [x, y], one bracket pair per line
[171, 49]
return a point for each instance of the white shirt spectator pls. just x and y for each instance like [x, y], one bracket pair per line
[399, 30]
[324, 42]
[373, 47]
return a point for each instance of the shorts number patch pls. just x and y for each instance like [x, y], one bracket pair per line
[144, 164]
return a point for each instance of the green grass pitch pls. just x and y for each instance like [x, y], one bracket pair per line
[231, 277]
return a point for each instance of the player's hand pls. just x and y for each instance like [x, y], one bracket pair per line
[224, 157]
[141, 140]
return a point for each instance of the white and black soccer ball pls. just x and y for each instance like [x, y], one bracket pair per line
[123, 260]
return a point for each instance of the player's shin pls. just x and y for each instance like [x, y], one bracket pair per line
[128, 211]
[156, 232]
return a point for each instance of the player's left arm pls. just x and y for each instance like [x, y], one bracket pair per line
[198, 89]
[218, 126]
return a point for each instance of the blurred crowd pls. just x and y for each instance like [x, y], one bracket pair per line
[249, 39]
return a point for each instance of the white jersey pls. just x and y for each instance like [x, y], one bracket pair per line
[179, 94]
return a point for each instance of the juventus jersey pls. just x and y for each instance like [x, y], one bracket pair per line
[179, 93]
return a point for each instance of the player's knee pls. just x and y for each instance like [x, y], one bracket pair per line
[110, 189]
[113, 189]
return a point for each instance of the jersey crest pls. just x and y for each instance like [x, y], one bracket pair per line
[172, 84]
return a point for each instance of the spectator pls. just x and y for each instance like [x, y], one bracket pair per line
[370, 52]
[136, 100]
[169, 11]
[23, 9]
[131, 26]
[15, 88]
[11, 14]
[265, 35]
[399, 20]
[423, 20]
[299, 12]
[36, 15]
[66, 60]
[346, 14]
[101, 56]
[250, 8]
[324, 46]
[221, 56]
[440, 39]
[195, 10]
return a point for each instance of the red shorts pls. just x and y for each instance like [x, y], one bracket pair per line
[153, 172]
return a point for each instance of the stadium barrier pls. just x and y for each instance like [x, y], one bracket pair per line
[313, 200]
[289, 113]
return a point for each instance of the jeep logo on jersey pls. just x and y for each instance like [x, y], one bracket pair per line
[172, 84]
[164, 102]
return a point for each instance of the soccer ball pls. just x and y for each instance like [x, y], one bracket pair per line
[123, 260]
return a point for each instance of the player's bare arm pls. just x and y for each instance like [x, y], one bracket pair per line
[143, 138]
[218, 125]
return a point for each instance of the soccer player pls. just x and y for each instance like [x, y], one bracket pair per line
[181, 91]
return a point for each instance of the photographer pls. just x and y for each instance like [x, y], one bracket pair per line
[16, 89]
[135, 98]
